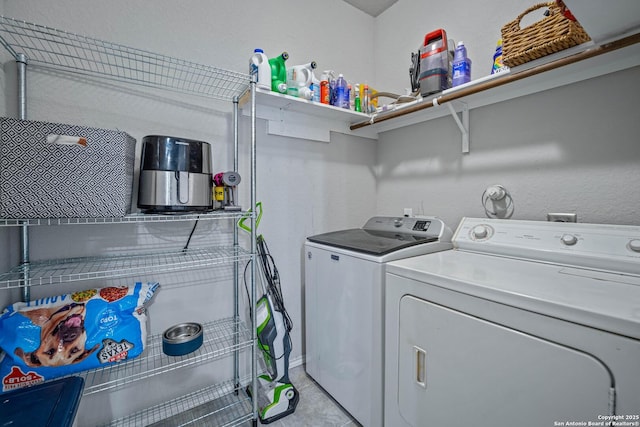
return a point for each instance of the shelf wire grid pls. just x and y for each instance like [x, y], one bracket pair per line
[131, 218]
[75, 269]
[220, 338]
[65, 51]
[222, 405]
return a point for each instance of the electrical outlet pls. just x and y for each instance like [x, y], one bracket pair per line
[562, 217]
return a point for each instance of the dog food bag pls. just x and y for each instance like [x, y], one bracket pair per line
[57, 336]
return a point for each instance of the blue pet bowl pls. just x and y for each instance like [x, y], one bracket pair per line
[182, 339]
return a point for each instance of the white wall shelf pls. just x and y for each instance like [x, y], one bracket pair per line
[300, 118]
[606, 63]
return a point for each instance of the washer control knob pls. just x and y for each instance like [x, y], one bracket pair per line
[397, 222]
[569, 239]
[480, 232]
[634, 245]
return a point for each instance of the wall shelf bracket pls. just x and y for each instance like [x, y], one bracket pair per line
[462, 124]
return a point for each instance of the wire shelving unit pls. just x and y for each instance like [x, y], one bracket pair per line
[225, 404]
[74, 53]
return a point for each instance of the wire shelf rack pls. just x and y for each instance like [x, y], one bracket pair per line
[220, 338]
[222, 405]
[131, 218]
[88, 56]
[74, 269]
[58, 51]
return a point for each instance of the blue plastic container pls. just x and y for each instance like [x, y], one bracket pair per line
[50, 404]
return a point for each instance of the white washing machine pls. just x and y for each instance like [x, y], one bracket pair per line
[524, 323]
[344, 305]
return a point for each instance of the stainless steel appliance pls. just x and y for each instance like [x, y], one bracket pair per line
[175, 175]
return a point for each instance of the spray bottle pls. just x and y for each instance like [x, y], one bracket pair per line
[299, 79]
[279, 73]
[461, 66]
[259, 65]
[497, 59]
[325, 87]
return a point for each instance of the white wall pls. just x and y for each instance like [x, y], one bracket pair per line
[554, 151]
[306, 187]
[573, 149]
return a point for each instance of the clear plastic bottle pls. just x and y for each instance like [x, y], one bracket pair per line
[364, 99]
[461, 66]
[341, 92]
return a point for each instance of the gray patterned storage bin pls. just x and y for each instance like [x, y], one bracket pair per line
[39, 179]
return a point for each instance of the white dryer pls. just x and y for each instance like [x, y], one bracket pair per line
[344, 305]
[524, 323]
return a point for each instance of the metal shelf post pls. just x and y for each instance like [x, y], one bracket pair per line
[21, 63]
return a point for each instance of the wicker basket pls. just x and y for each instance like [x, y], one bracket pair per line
[555, 32]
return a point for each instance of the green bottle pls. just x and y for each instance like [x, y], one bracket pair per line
[279, 73]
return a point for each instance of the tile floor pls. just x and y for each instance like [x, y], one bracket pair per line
[315, 408]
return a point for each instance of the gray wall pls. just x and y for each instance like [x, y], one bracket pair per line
[555, 151]
[571, 149]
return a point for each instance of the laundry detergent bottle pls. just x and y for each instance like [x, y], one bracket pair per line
[259, 65]
[299, 78]
[279, 73]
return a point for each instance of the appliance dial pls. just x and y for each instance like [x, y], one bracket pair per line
[569, 239]
[397, 222]
[480, 232]
[634, 245]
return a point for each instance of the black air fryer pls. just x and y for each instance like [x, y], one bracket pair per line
[175, 175]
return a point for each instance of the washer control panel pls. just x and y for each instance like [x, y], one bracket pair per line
[419, 226]
[601, 246]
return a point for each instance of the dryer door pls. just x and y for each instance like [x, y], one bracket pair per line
[456, 369]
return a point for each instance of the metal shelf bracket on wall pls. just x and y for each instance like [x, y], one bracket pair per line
[464, 124]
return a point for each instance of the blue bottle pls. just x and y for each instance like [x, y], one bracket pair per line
[341, 92]
[461, 66]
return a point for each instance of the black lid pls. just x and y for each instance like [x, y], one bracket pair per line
[168, 153]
